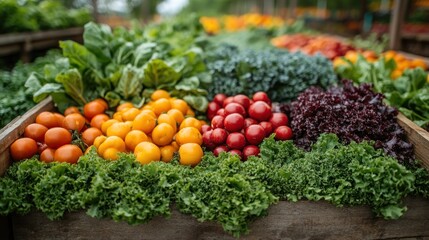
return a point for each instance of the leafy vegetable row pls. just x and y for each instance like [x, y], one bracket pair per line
[222, 189]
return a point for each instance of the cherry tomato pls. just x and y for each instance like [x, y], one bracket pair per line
[220, 149]
[235, 108]
[250, 150]
[248, 122]
[283, 133]
[57, 137]
[207, 142]
[279, 119]
[219, 98]
[243, 100]
[217, 122]
[236, 141]
[236, 152]
[221, 112]
[212, 110]
[205, 128]
[254, 134]
[261, 96]
[47, 155]
[35, 131]
[218, 136]
[233, 122]
[68, 153]
[260, 111]
[23, 148]
[227, 101]
[268, 128]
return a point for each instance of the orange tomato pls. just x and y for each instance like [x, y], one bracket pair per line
[130, 114]
[107, 124]
[119, 129]
[71, 110]
[133, 138]
[47, 155]
[35, 131]
[158, 94]
[161, 105]
[124, 106]
[90, 134]
[190, 154]
[419, 63]
[150, 112]
[177, 115]
[167, 153]
[111, 142]
[118, 116]
[93, 108]
[68, 153]
[57, 137]
[165, 118]
[144, 122]
[191, 122]
[74, 121]
[102, 102]
[98, 120]
[396, 74]
[189, 135]
[180, 105]
[162, 134]
[190, 113]
[99, 140]
[147, 152]
[23, 148]
[48, 120]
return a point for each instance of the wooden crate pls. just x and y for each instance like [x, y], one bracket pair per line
[286, 220]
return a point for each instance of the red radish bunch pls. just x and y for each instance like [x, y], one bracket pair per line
[239, 124]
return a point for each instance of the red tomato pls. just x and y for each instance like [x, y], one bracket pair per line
[212, 110]
[227, 101]
[23, 148]
[93, 108]
[261, 96]
[221, 112]
[35, 131]
[236, 141]
[268, 128]
[219, 98]
[235, 108]
[233, 122]
[47, 155]
[236, 152]
[207, 141]
[90, 134]
[217, 122]
[68, 153]
[283, 133]
[57, 137]
[254, 134]
[220, 149]
[250, 150]
[218, 136]
[279, 119]
[205, 128]
[260, 111]
[248, 122]
[48, 120]
[243, 100]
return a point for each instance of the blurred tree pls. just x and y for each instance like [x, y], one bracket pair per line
[209, 8]
[143, 8]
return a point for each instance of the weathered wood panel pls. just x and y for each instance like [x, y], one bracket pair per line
[14, 129]
[418, 137]
[286, 220]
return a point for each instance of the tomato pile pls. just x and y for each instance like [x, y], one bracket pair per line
[239, 124]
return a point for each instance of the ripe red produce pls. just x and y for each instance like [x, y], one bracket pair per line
[236, 141]
[236, 152]
[35, 131]
[221, 112]
[57, 137]
[250, 150]
[205, 128]
[261, 96]
[243, 100]
[217, 122]
[220, 149]
[207, 141]
[227, 101]
[219, 98]
[218, 136]
[283, 133]
[212, 110]
[248, 122]
[279, 119]
[234, 122]
[23, 148]
[268, 128]
[235, 108]
[260, 111]
[254, 134]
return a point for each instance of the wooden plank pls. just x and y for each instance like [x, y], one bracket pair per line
[13, 38]
[396, 20]
[285, 220]
[418, 137]
[12, 131]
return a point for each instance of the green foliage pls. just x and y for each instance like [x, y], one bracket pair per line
[281, 74]
[371, 42]
[221, 189]
[409, 93]
[20, 16]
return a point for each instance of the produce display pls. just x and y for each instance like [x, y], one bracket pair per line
[152, 118]
[231, 23]
[330, 47]
[28, 16]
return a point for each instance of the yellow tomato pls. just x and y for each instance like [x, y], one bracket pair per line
[133, 138]
[124, 106]
[180, 105]
[190, 154]
[107, 124]
[177, 115]
[189, 135]
[144, 122]
[158, 94]
[161, 106]
[167, 153]
[119, 129]
[111, 142]
[162, 134]
[191, 122]
[130, 114]
[147, 152]
[165, 118]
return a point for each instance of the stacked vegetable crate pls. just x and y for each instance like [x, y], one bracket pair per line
[303, 219]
